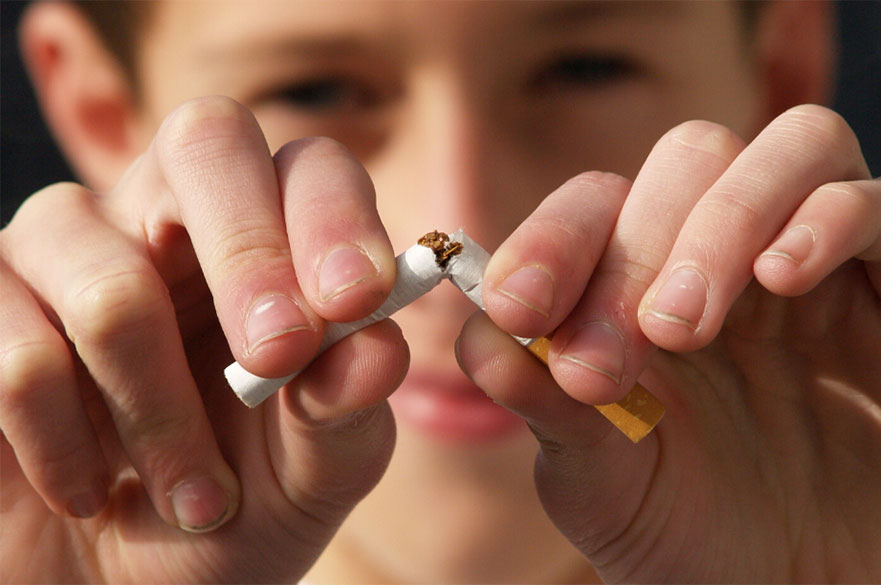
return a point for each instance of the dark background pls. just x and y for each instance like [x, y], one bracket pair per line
[29, 159]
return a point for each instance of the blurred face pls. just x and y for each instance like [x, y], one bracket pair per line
[465, 115]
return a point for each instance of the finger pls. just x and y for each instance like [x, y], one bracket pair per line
[218, 181]
[837, 222]
[342, 255]
[331, 434]
[232, 210]
[496, 363]
[41, 410]
[591, 478]
[598, 352]
[712, 260]
[538, 274]
[118, 314]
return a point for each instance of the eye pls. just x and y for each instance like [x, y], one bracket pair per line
[327, 95]
[583, 71]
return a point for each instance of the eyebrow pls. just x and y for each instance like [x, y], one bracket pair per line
[557, 13]
[307, 46]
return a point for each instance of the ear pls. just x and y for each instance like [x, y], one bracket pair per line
[795, 49]
[85, 96]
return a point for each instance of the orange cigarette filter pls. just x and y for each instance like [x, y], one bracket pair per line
[465, 261]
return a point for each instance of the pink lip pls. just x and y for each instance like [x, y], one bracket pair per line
[452, 409]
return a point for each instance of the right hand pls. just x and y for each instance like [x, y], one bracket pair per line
[118, 426]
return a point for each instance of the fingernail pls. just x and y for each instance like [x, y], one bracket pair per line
[89, 503]
[599, 347]
[795, 245]
[682, 299]
[532, 287]
[271, 317]
[200, 505]
[342, 269]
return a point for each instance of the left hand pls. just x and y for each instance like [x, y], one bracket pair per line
[765, 349]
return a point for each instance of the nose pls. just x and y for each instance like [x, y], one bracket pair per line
[445, 165]
[449, 165]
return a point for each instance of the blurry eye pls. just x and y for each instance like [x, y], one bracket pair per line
[584, 71]
[322, 95]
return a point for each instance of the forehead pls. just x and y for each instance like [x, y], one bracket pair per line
[227, 22]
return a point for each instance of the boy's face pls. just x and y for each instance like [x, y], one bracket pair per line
[465, 115]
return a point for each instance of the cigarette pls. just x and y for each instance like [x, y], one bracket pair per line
[635, 415]
[420, 268]
[417, 273]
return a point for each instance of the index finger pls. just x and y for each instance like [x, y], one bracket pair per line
[222, 179]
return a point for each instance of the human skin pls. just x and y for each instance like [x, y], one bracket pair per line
[767, 445]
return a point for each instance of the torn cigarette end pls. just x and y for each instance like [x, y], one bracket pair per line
[438, 256]
[443, 248]
[417, 273]
[635, 415]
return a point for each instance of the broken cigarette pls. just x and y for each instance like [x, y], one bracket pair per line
[420, 268]
[635, 415]
[418, 273]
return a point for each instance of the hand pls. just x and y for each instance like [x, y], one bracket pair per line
[113, 404]
[767, 466]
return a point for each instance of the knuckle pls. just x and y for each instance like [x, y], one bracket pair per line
[29, 367]
[199, 115]
[343, 174]
[317, 146]
[149, 422]
[61, 464]
[823, 119]
[167, 445]
[250, 243]
[826, 128]
[706, 138]
[855, 197]
[635, 270]
[597, 181]
[573, 230]
[203, 130]
[118, 303]
[44, 205]
[728, 211]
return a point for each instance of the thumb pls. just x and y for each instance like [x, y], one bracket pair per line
[592, 480]
[330, 432]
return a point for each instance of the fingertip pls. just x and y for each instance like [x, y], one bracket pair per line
[522, 300]
[343, 268]
[779, 267]
[674, 314]
[779, 275]
[509, 374]
[352, 280]
[589, 364]
[356, 373]
[280, 335]
[89, 502]
[342, 255]
[205, 503]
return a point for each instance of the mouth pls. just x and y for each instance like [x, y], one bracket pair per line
[448, 407]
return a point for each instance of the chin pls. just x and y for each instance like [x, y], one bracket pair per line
[457, 503]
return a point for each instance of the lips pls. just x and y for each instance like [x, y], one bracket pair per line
[450, 408]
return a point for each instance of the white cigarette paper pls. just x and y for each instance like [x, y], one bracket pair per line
[466, 269]
[421, 268]
[417, 273]
[635, 415]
